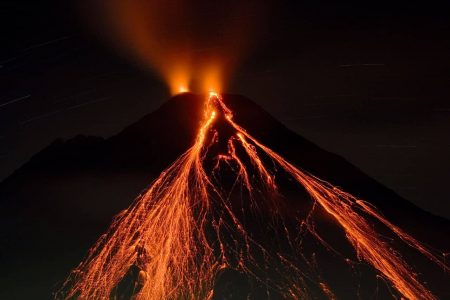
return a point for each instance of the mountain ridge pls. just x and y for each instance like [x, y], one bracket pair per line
[81, 142]
[97, 177]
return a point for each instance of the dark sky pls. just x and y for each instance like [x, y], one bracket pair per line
[369, 80]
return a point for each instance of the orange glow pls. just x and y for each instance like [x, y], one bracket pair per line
[182, 89]
[190, 45]
[212, 79]
[166, 233]
[178, 81]
[213, 94]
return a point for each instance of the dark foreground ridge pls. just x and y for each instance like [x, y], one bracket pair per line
[57, 205]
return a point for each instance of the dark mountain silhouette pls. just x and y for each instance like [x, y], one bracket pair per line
[55, 206]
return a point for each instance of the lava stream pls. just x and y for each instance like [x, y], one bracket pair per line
[182, 231]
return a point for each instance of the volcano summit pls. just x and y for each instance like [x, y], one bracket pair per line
[248, 210]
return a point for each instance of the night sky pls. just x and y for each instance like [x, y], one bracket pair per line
[369, 80]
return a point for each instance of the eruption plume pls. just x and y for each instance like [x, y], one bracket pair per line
[186, 42]
[186, 229]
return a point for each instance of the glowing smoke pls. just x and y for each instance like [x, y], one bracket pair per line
[190, 44]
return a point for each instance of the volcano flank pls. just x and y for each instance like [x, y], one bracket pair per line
[57, 205]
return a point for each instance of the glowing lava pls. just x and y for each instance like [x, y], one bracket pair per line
[183, 231]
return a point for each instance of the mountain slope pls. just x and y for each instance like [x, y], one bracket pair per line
[59, 203]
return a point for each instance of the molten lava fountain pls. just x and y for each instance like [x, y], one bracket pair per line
[183, 231]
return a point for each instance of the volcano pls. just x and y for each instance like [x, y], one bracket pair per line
[58, 204]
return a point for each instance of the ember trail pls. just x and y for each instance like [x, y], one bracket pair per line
[181, 234]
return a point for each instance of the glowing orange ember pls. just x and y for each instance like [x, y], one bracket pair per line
[178, 233]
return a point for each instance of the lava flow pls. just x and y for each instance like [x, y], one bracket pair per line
[181, 233]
